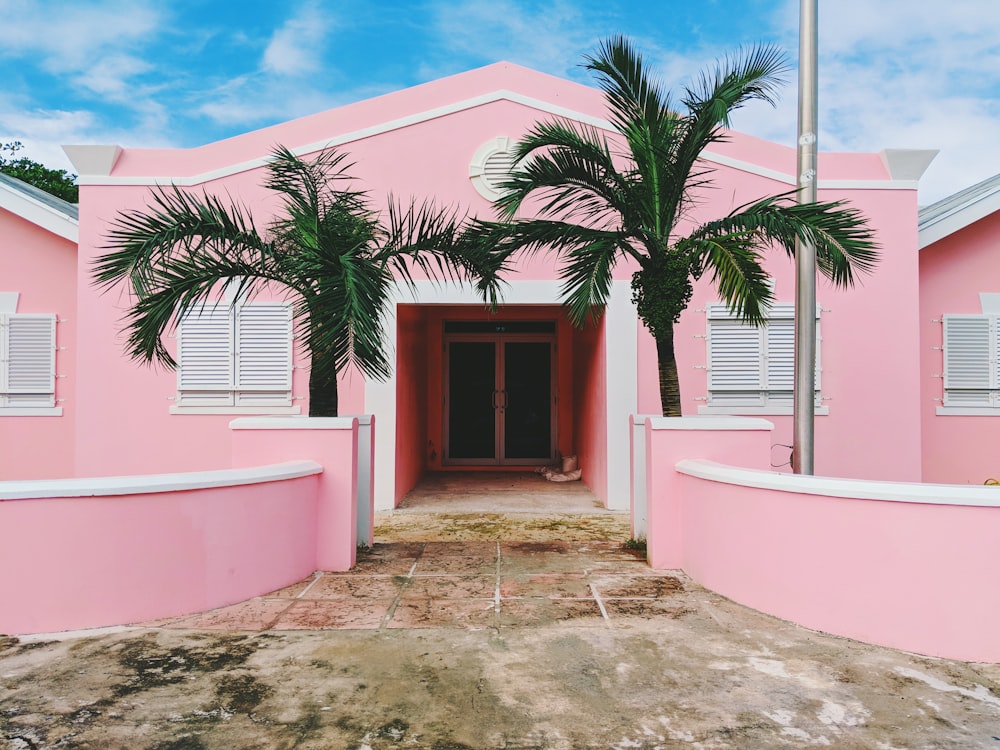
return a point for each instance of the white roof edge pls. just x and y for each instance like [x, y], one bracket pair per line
[951, 214]
[105, 178]
[38, 213]
[152, 483]
[858, 489]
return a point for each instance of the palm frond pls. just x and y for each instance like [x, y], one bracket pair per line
[637, 102]
[845, 244]
[571, 168]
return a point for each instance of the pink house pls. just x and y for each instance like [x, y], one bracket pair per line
[449, 139]
[906, 389]
[38, 280]
[959, 311]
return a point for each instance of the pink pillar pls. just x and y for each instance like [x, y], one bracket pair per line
[738, 441]
[331, 442]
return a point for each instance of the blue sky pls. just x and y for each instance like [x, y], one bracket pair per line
[894, 73]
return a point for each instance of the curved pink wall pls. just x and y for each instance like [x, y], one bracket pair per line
[914, 576]
[41, 266]
[78, 562]
[953, 271]
[906, 565]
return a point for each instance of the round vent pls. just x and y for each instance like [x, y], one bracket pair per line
[491, 165]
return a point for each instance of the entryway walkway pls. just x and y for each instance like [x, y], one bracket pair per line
[471, 585]
[473, 550]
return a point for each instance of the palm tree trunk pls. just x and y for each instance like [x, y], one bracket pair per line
[323, 396]
[670, 387]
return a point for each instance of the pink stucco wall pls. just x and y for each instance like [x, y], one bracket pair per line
[953, 272]
[590, 406]
[869, 356]
[412, 401]
[41, 266]
[332, 442]
[70, 562]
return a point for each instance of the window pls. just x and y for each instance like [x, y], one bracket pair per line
[752, 370]
[27, 361]
[971, 372]
[235, 357]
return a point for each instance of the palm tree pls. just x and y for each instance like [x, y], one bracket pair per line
[327, 248]
[598, 203]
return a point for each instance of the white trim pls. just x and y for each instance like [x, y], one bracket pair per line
[954, 213]
[38, 213]
[235, 409]
[153, 483]
[709, 423]
[460, 106]
[621, 339]
[8, 302]
[968, 411]
[293, 423]
[31, 411]
[860, 489]
[774, 411]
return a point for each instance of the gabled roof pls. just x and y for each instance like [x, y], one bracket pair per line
[958, 211]
[40, 208]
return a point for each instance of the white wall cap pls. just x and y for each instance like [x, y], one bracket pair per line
[151, 483]
[93, 160]
[989, 303]
[708, 423]
[859, 489]
[907, 163]
[8, 302]
[365, 419]
[293, 423]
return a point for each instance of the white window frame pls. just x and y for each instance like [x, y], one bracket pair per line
[971, 354]
[235, 359]
[28, 365]
[750, 370]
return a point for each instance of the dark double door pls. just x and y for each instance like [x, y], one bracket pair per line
[499, 399]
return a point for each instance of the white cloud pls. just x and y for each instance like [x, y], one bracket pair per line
[550, 38]
[903, 74]
[296, 48]
[69, 37]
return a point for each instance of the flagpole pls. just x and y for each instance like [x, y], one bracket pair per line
[803, 404]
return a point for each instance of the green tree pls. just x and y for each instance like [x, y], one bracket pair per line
[57, 182]
[597, 203]
[333, 253]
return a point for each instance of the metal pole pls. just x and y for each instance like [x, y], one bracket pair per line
[803, 404]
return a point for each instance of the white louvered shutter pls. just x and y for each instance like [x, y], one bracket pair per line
[264, 355]
[970, 361]
[749, 367]
[205, 357]
[735, 359]
[27, 373]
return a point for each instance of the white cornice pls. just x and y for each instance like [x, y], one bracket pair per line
[460, 106]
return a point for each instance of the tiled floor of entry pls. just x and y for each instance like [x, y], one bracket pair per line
[482, 584]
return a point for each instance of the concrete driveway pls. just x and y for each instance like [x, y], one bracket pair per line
[487, 631]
